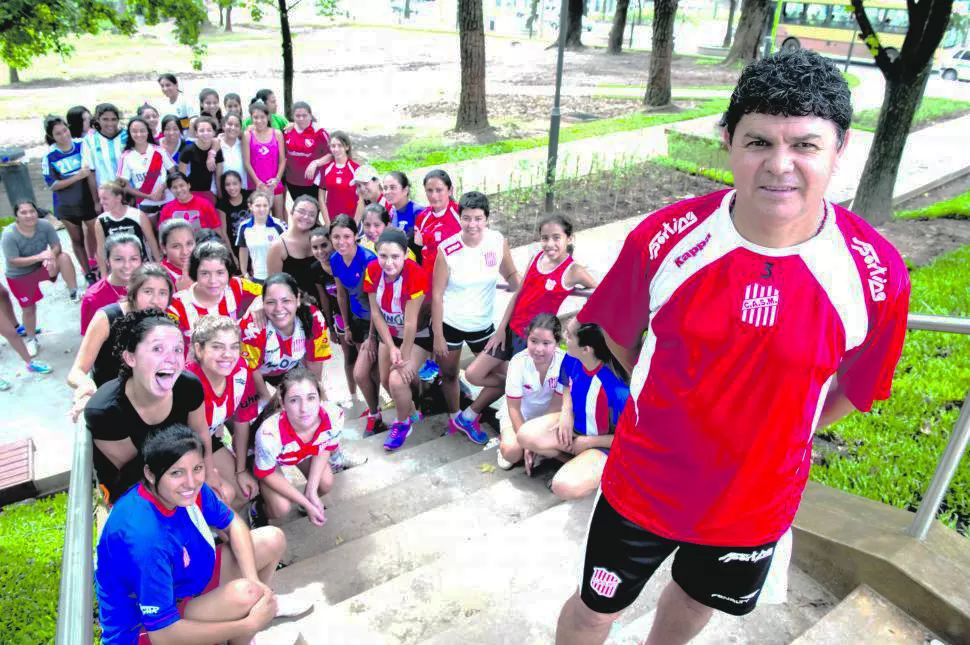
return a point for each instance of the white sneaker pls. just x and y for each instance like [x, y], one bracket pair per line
[343, 460]
[32, 346]
[290, 604]
[503, 463]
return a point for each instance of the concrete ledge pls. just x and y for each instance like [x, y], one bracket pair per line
[844, 541]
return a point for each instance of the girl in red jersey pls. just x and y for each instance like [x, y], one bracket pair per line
[305, 143]
[397, 287]
[298, 428]
[123, 252]
[177, 239]
[337, 195]
[551, 277]
[230, 394]
[438, 221]
[214, 289]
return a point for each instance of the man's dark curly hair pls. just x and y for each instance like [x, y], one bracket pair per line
[800, 83]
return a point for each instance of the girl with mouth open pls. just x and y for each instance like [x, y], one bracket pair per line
[150, 392]
[230, 396]
[161, 578]
[215, 290]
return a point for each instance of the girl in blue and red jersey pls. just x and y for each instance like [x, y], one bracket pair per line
[594, 391]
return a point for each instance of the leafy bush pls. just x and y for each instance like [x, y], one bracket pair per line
[421, 154]
[891, 453]
[932, 110]
[955, 208]
[717, 174]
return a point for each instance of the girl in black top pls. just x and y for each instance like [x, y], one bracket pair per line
[201, 160]
[232, 206]
[292, 254]
[149, 286]
[150, 392]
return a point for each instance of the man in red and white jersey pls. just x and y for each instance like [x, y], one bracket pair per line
[750, 318]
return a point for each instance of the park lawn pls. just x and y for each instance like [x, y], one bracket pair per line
[434, 152]
[892, 451]
[933, 110]
[954, 208]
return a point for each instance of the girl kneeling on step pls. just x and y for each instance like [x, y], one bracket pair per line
[580, 434]
[162, 579]
[297, 428]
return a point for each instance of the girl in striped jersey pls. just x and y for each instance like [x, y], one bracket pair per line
[230, 395]
[397, 287]
[593, 396]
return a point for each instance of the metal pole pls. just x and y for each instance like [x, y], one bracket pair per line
[848, 59]
[553, 156]
[945, 469]
[949, 324]
[75, 607]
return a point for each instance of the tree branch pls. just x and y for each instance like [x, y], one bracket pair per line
[871, 39]
[933, 28]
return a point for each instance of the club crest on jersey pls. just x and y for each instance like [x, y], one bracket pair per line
[671, 228]
[760, 305]
[604, 582]
[490, 259]
[308, 142]
[877, 271]
[550, 284]
[340, 180]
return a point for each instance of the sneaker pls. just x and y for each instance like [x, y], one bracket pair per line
[503, 463]
[291, 604]
[471, 429]
[37, 367]
[32, 346]
[4, 385]
[91, 277]
[74, 297]
[429, 371]
[342, 460]
[375, 424]
[257, 513]
[23, 332]
[399, 432]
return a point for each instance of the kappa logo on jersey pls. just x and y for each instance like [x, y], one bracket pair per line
[604, 582]
[673, 227]
[877, 272]
[692, 251]
[490, 258]
[760, 305]
[754, 556]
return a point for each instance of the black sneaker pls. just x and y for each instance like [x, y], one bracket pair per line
[257, 514]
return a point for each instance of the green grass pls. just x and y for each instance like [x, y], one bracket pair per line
[933, 110]
[851, 79]
[954, 208]
[642, 87]
[716, 174]
[422, 153]
[892, 451]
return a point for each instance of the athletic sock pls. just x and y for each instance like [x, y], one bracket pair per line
[453, 415]
[469, 415]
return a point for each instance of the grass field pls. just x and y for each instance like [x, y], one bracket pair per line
[933, 110]
[956, 208]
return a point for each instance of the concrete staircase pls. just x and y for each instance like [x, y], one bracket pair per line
[434, 545]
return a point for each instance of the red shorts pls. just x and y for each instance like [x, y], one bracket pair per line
[143, 638]
[26, 288]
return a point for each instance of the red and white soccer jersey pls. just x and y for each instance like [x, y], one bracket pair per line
[341, 194]
[173, 271]
[267, 350]
[239, 295]
[435, 229]
[238, 401]
[392, 297]
[540, 293]
[742, 346]
[302, 148]
[278, 444]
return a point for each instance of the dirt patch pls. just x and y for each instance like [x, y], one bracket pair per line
[921, 241]
[575, 109]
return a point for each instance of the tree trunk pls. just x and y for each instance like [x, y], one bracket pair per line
[14, 76]
[730, 25]
[574, 24]
[874, 195]
[530, 22]
[221, 18]
[661, 54]
[619, 24]
[229, 19]
[407, 9]
[747, 39]
[287, 42]
[472, 111]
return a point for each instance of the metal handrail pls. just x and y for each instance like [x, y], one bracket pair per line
[75, 607]
[76, 602]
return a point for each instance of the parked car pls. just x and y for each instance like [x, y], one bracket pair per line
[956, 66]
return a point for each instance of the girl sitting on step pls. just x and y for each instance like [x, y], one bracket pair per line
[298, 428]
[581, 433]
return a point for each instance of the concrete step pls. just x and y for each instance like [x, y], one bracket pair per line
[356, 566]
[493, 571]
[364, 514]
[866, 618]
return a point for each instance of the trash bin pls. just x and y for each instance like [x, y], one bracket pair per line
[15, 176]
